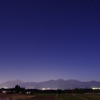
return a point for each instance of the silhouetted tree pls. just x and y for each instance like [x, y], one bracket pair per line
[17, 88]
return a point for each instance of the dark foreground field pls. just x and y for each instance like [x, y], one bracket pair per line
[50, 97]
[78, 97]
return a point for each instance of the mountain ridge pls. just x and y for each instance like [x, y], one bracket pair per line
[52, 84]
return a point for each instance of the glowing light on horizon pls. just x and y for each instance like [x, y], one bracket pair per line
[96, 88]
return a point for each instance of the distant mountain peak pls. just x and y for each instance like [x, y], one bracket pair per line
[72, 80]
[17, 81]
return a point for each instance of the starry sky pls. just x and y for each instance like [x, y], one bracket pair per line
[49, 39]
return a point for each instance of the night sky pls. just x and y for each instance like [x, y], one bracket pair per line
[49, 39]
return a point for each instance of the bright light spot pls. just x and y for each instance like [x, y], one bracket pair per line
[96, 88]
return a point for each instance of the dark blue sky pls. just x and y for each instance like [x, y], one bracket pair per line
[49, 39]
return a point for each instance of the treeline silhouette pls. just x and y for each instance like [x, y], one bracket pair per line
[21, 90]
